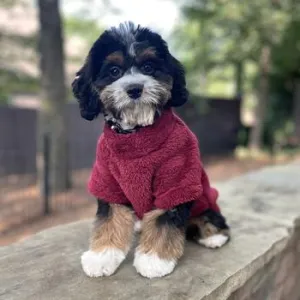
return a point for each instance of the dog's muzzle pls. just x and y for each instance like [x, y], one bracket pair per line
[134, 91]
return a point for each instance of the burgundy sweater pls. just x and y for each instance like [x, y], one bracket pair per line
[158, 166]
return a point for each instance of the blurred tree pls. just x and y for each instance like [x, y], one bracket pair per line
[198, 52]
[256, 134]
[286, 62]
[87, 30]
[52, 115]
[297, 109]
[15, 47]
[268, 20]
[237, 34]
[8, 3]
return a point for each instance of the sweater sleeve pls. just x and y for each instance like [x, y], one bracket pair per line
[102, 183]
[179, 179]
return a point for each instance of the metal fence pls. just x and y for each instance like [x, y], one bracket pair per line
[20, 198]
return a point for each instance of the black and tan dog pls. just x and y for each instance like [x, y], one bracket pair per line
[148, 172]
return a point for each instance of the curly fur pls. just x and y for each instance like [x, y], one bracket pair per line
[147, 160]
[168, 83]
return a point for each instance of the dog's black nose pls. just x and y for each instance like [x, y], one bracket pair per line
[135, 91]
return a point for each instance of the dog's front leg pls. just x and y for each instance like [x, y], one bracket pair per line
[162, 241]
[110, 241]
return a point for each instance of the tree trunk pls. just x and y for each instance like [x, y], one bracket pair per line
[239, 79]
[297, 109]
[255, 142]
[52, 120]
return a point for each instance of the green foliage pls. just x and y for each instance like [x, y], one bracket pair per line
[12, 45]
[285, 69]
[8, 3]
[220, 35]
[278, 122]
[235, 31]
[86, 29]
[18, 40]
[286, 55]
[13, 82]
[4, 98]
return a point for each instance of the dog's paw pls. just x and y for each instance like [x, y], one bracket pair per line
[214, 241]
[151, 266]
[104, 263]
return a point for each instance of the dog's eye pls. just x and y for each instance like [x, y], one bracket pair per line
[115, 72]
[147, 68]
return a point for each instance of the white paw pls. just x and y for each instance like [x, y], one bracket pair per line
[151, 266]
[214, 241]
[138, 226]
[104, 263]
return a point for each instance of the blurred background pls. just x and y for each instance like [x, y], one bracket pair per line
[243, 71]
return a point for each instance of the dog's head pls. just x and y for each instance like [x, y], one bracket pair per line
[130, 74]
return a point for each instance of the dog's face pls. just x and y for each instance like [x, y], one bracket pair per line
[130, 74]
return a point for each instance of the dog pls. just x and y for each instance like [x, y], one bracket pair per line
[147, 175]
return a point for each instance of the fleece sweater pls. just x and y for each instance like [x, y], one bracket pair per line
[158, 166]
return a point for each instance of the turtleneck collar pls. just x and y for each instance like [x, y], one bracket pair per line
[143, 141]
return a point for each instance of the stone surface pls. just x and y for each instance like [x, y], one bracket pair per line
[261, 208]
[277, 280]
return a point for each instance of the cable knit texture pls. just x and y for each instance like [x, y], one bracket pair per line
[158, 166]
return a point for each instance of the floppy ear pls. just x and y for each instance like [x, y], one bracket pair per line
[179, 93]
[88, 99]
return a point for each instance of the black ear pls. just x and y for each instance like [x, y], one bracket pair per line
[88, 99]
[179, 91]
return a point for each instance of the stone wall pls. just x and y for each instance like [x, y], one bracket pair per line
[277, 280]
[261, 262]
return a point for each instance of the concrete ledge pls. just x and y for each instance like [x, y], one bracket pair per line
[262, 261]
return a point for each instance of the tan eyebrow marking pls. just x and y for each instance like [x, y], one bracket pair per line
[116, 57]
[147, 53]
[150, 51]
